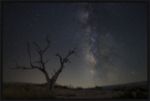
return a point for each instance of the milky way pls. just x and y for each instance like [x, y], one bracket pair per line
[89, 38]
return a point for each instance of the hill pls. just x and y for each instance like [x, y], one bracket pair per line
[142, 84]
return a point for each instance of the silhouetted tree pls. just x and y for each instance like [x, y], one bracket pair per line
[41, 67]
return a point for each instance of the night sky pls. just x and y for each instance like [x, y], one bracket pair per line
[110, 39]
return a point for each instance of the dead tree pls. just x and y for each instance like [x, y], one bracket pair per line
[41, 67]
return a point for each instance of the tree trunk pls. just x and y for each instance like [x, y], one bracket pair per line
[47, 79]
[55, 76]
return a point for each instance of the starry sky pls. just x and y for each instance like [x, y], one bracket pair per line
[110, 39]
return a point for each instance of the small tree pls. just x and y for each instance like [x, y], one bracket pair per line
[41, 67]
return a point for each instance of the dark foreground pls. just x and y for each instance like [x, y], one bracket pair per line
[37, 91]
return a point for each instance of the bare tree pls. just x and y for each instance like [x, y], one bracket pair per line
[42, 67]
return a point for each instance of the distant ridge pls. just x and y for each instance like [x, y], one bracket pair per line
[128, 85]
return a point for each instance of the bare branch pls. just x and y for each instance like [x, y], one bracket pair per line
[66, 59]
[26, 68]
[29, 53]
[18, 67]
[38, 48]
[48, 44]
[41, 52]
[70, 53]
[60, 57]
